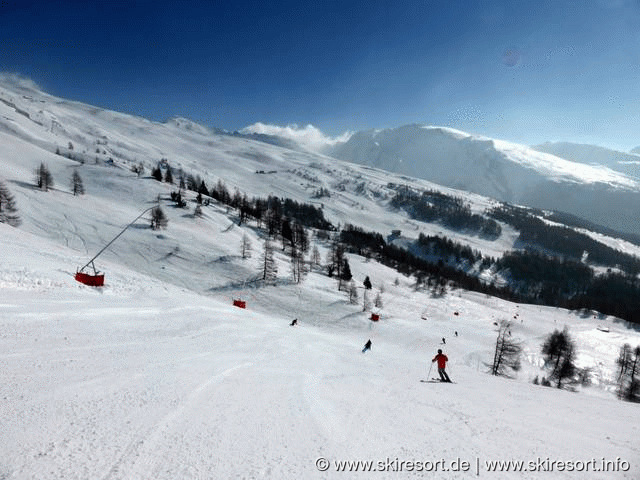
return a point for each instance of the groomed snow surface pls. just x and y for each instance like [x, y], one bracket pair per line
[144, 380]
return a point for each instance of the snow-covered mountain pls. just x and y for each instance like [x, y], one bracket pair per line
[502, 170]
[157, 376]
[627, 163]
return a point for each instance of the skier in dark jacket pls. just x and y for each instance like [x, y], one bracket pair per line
[442, 360]
[367, 346]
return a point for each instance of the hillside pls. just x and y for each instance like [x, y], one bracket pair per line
[502, 170]
[145, 380]
[627, 163]
[157, 375]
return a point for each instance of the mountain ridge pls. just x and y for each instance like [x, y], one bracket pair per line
[499, 169]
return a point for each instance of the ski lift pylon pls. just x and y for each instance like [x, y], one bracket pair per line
[97, 279]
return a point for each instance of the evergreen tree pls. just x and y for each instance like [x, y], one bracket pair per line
[287, 233]
[559, 352]
[177, 197]
[245, 209]
[192, 183]
[156, 173]
[76, 183]
[44, 179]
[202, 189]
[236, 200]
[335, 259]
[345, 274]
[8, 210]
[220, 192]
[158, 218]
[168, 175]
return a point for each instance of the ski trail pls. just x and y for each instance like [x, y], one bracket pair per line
[322, 410]
[135, 461]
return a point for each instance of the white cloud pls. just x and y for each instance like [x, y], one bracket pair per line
[309, 137]
[17, 80]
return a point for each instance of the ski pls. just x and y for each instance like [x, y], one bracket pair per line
[434, 380]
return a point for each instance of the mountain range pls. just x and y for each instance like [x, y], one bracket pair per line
[592, 183]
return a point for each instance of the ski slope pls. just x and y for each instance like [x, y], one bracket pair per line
[145, 380]
[157, 375]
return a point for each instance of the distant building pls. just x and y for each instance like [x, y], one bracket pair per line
[395, 233]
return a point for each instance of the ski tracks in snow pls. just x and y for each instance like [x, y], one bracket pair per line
[140, 459]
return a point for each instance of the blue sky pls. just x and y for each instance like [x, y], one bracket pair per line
[526, 71]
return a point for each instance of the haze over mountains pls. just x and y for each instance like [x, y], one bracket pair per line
[627, 163]
[604, 193]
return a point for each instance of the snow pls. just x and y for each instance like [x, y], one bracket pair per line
[502, 170]
[559, 168]
[157, 376]
[142, 379]
[624, 162]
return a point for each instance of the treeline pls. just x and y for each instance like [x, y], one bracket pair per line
[451, 212]
[577, 222]
[372, 244]
[446, 248]
[614, 294]
[564, 241]
[270, 211]
[569, 284]
[544, 278]
[535, 277]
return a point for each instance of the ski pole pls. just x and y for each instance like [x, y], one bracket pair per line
[429, 374]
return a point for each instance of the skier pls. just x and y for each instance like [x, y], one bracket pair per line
[367, 346]
[442, 363]
[444, 341]
[294, 323]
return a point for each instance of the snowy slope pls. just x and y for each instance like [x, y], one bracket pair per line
[627, 163]
[99, 136]
[158, 376]
[145, 380]
[499, 169]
